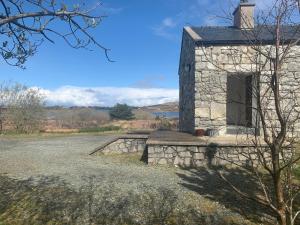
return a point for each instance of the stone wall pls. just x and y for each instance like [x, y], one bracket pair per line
[185, 150]
[213, 66]
[180, 155]
[187, 84]
[198, 156]
[123, 145]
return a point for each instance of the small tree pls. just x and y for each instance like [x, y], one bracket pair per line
[275, 88]
[121, 112]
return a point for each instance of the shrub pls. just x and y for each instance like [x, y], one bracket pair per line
[141, 114]
[121, 112]
[76, 118]
[164, 124]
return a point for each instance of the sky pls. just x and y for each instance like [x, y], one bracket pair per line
[144, 37]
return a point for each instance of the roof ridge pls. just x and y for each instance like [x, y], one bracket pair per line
[212, 26]
[233, 35]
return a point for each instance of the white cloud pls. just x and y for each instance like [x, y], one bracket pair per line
[165, 27]
[168, 22]
[108, 96]
[192, 12]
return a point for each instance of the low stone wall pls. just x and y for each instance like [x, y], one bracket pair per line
[180, 149]
[197, 156]
[122, 145]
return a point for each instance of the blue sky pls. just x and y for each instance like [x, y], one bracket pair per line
[144, 37]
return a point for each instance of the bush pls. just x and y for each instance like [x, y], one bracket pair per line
[121, 112]
[164, 123]
[141, 114]
[76, 118]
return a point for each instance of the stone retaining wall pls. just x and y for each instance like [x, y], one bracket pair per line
[123, 145]
[197, 156]
[180, 149]
[180, 155]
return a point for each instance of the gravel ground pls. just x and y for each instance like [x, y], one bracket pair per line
[67, 157]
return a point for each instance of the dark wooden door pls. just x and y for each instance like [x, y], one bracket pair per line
[249, 101]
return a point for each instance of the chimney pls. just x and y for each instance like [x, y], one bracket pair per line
[244, 15]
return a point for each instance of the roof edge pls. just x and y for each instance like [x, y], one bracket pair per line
[238, 42]
[193, 34]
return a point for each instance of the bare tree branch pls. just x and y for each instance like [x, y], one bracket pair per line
[24, 20]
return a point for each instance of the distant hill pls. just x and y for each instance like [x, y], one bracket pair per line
[166, 107]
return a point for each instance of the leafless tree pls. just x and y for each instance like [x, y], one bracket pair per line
[25, 109]
[276, 90]
[4, 94]
[25, 24]
[21, 108]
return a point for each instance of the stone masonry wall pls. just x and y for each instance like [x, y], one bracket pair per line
[210, 93]
[213, 65]
[198, 156]
[187, 85]
[124, 145]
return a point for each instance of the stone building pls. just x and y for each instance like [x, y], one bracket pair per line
[217, 73]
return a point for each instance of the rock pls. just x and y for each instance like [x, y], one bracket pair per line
[199, 156]
[202, 112]
[163, 162]
[151, 150]
[151, 161]
[187, 162]
[178, 161]
[169, 156]
[242, 157]
[198, 163]
[169, 151]
[185, 154]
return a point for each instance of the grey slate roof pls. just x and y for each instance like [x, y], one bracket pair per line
[233, 35]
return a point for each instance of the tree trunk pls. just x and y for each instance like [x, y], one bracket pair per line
[282, 218]
[279, 192]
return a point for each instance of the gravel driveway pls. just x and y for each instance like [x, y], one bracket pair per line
[67, 157]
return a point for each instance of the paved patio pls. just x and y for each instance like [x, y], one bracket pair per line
[178, 138]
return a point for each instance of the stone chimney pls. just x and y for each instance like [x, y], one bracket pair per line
[244, 15]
